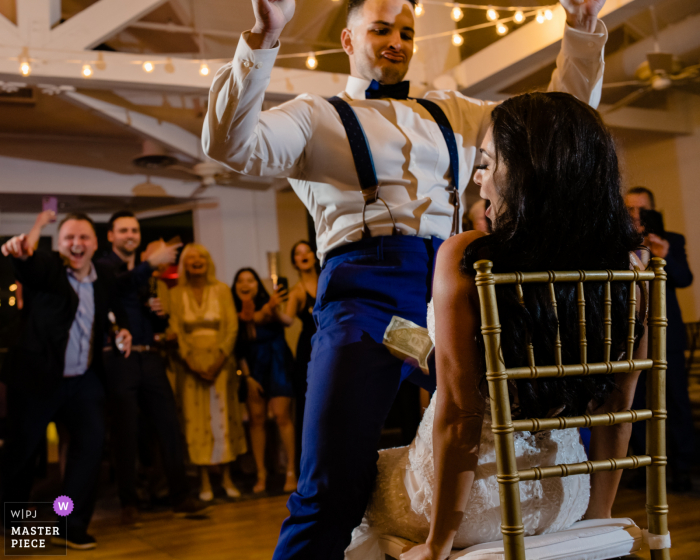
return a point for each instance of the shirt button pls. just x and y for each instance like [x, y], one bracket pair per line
[258, 65]
[247, 63]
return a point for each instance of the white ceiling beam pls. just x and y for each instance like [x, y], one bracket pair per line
[122, 70]
[98, 22]
[9, 32]
[35, 19]
[651, 120]
[168, 134]
[528, 49]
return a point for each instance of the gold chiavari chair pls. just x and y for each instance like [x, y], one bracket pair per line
[498, 375]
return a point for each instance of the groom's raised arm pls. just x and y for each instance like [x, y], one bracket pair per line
[236, 131]
[580, 62]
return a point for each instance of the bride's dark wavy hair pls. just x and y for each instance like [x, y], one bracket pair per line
[562, 210]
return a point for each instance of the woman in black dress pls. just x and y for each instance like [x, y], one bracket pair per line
[302, 298]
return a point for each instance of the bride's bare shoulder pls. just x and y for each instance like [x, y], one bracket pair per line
[454, 247]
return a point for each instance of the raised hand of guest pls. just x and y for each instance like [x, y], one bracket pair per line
[659, 247]
[582, 14]
[18, 247]
[270, 18]
[156, 306]
[161, 254]
[279, 296]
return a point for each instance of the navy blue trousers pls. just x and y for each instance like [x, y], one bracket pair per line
[352, 381]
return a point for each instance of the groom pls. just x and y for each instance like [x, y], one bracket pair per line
[382, 175]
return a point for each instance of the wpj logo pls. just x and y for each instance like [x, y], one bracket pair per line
[32, 530]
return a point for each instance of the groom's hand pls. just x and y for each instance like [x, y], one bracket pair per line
[582, 14]
[270, 18]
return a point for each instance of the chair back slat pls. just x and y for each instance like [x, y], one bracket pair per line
[530, 347]
[631, 320]
[607, 321]
[597, 368]
[498, 376]
[585, 421]
[557, 340]
[581, 301]
[587, 467]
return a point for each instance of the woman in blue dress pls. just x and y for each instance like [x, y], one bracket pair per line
[267, 363]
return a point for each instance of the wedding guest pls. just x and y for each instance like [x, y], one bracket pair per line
[681, 432]
[267, 364]
[55, 368]
[203, 318]
[302, 298]
[138, 385]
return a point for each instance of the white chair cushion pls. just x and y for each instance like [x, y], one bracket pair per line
[593, 539]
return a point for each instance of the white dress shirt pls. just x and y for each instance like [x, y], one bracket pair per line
[304, 140]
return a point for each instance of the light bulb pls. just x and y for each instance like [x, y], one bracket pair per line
[87, 70]
[491, 14]
[12, 301]
[311, 62]
[501, 29]
[148, 67]
[13, 287]
[519, 17]
[540, 17]
[25, 68]
[548, 14]
[204, 69]
[419, 10]
[457, 13]
[457, 39]
[415, 48]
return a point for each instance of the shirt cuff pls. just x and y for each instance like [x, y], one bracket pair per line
[581, 44]
[256, 63]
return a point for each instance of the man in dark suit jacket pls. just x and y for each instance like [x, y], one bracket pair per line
[54, 369]
[670, 247]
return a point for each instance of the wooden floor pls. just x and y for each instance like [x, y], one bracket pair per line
[248, 530]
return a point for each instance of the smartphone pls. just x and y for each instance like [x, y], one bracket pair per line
[282, 284]
[653, 222]
[49, 203]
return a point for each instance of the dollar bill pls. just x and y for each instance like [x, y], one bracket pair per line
[407, 340]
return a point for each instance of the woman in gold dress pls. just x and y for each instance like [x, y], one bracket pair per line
[204, 319]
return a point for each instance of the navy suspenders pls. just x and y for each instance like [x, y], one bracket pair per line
[364, 164]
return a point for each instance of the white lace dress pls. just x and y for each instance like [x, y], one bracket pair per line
[402, 502]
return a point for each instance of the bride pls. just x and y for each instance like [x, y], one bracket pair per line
[550, 171]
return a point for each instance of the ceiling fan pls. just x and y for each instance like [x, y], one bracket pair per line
[660, 71]
[154, 157]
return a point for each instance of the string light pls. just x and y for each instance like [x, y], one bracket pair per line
[501, 29]
[457, 14]
[548, 14]
[12, 301]
[491, 14]
[540, 17]
[457, 39]
[13, 287]
[311, 62]
[204, 69]
[25, 68]
[419, 10]
[87, 70]
[519, 17]
[148, 67]
[415, 48]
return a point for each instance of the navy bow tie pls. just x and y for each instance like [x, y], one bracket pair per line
[390, 91]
